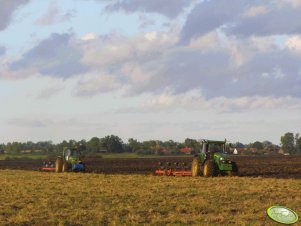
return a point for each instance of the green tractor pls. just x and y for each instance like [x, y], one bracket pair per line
[70, 161]
[213, 160]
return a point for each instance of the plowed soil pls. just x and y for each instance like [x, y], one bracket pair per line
[264, 166]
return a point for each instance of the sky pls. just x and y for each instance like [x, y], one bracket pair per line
[160, 69]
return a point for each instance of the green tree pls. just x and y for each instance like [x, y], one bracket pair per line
[112, 143]
[134, 145]
[93, 145]
[192, 143]
[2, 148]
[172, 146]
[288, 142]
[239, 145]
[150, 147]
[298, 143]
[269, 146]
[13, 148]
[258, 145]
[82, 145]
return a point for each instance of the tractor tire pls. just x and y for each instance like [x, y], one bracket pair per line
[195, 167]
[66, 167]
[210, 169]
[234, 171]
[58, 165]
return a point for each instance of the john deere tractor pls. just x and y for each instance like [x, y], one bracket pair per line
[70, 161]
[213, 160]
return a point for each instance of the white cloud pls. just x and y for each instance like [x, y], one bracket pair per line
[263, 44]
[255, 11]
[51, 16]
[215, 61]
[96, 83]
[135, 73]
[206, 42]
[89, 36]
[193, 100]
[294, 43]
[112, 49]
[294, 3]
[49, 92]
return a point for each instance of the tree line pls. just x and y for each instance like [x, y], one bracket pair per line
[290, 143]
[110, 144]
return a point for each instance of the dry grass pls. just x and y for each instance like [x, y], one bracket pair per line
[34, 198]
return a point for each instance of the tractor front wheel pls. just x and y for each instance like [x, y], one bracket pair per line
[58, 165]
[234, 171]
[209, 169]
[195, 167]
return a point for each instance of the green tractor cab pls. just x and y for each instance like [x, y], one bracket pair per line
[70, 161]
[213, 160]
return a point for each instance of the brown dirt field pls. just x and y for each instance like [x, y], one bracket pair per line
[254, 166]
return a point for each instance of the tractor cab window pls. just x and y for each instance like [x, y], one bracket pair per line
[68, 152]
[213, 148]
[74, 152]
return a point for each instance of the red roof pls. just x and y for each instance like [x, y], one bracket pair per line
[186, 150]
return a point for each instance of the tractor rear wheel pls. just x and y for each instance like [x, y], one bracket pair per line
[66, 167]
[58, 165]
[209, 169]
[195, 167]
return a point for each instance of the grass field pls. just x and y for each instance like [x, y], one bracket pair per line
[36, 198]
[23, 156]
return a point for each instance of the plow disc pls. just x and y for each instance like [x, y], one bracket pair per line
[173, 169]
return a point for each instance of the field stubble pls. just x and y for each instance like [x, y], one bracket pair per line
[36, 198]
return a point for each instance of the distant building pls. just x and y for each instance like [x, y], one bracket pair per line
[245, 150]
[282, 152]
[2, 151]
[186, 150]
[165, 151]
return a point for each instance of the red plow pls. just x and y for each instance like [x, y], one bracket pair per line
[48, 166]
[173, 169]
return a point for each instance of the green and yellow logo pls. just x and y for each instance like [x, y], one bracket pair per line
[282, 214]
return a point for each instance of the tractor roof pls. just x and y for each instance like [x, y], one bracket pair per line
[213, 141]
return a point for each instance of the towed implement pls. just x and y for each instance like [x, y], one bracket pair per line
[69, 162]
[48, 166]
[212, 160]
[173, 169]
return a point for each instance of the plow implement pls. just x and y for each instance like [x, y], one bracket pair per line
[173, 169]
[48, 166]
